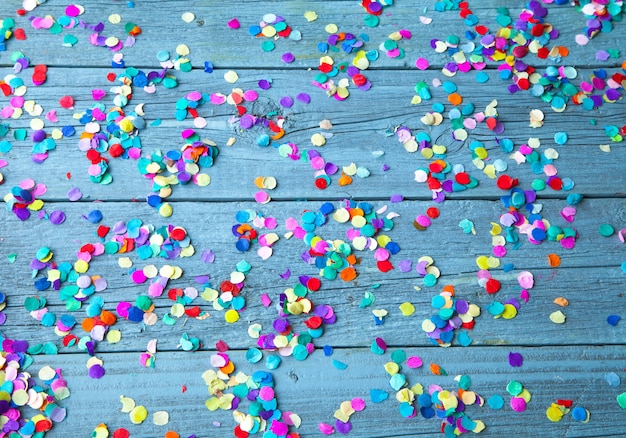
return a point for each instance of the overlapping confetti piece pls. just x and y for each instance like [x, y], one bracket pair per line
[25, 391]
[296, 302]
[229, 391]
[452, 314]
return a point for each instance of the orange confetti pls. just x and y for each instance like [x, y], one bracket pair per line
[278, 135]
[348, 274]
[228, 368]
[171, 434]
[455, 99]
[561, 301]
[88, 324]
[554, 260]
[449, 288]
[107, 317]
[437, 370]
[345, 180]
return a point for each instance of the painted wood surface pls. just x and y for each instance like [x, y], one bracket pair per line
[567, 361]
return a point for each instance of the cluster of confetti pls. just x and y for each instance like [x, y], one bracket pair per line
[229, 391]
[452, 314]
[22, 390]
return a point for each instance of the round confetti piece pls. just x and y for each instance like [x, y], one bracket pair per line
[612, 379]
[138, 414]
[67, 102]
[161, 418]
[414, 362]
[554, 413]
[606, 230]
[231, 316]
[518, 404]
[515, 359]
[495, 402]
[580, 414]
[94, 216]
[57, 217]
[231, 77]
[613, 319]
[407, 309]
[188, 17]
[96, 371]
[557, 317]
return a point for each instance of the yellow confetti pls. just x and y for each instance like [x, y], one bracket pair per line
[231, 316]
[331, 28]
[310, 16]
[318, 139]
[138, 414]
[407, 309]
[555, 412]
[182, 50]
[114, 336]
[557, 317]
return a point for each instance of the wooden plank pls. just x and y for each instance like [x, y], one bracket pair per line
[209, 38]
[356, 135]
[314, 389]
[593, 264]
[586, 314]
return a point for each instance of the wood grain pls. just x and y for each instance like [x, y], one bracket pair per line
[566, 361]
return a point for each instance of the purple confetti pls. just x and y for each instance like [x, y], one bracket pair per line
[288, 58]
[304, 98]
[396, 198]
[516, 359]
[96, 371]
[74, 194]
[57, 217]
[404, 265]
[286, 102]
[602, 55]
[343, 428]
[208, 256]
